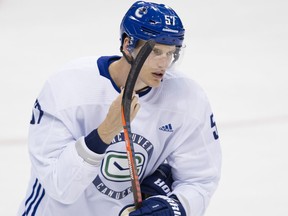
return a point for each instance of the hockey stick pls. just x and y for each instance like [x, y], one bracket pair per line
[126, 105]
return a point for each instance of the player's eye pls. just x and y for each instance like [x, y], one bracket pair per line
[170, 54]
[157, 52]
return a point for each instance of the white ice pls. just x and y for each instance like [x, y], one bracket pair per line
[237, 50]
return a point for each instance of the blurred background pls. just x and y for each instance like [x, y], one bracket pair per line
[236, 50]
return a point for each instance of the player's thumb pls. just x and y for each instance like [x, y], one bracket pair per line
[135, 106]
[135, 111]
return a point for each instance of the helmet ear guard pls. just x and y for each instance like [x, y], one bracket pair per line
[147, 20]
[129, 59]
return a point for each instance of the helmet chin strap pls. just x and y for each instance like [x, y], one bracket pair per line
[130, 60]
[142, 89]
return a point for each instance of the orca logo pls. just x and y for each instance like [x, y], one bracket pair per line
[140, 12]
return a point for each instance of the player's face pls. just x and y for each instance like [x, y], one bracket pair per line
[156, 65]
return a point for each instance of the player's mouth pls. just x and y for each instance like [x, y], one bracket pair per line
[158, 75]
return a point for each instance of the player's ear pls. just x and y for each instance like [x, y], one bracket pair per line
[125, 46]
[125, 50]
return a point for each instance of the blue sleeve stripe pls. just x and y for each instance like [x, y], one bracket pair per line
[38, 193]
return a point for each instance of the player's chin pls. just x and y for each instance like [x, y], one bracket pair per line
[154, 83]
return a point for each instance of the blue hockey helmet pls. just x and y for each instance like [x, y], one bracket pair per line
[147, 20]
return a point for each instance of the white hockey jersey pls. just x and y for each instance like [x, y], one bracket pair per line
[174, 124]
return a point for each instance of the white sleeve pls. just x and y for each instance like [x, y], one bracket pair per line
[196, 163]
[55, 161]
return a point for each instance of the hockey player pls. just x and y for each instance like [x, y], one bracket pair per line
[76, 141]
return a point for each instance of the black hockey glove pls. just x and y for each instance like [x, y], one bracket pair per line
[159, 183]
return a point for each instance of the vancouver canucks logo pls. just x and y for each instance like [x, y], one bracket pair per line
[115, 166]
[140, 12]
[114, 178]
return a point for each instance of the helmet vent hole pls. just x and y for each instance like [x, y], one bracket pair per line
[149, 31]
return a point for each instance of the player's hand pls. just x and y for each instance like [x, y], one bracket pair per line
[159, 183]
[159, 206]
[112, 124]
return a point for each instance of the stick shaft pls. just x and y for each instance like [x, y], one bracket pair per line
[125, 112]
